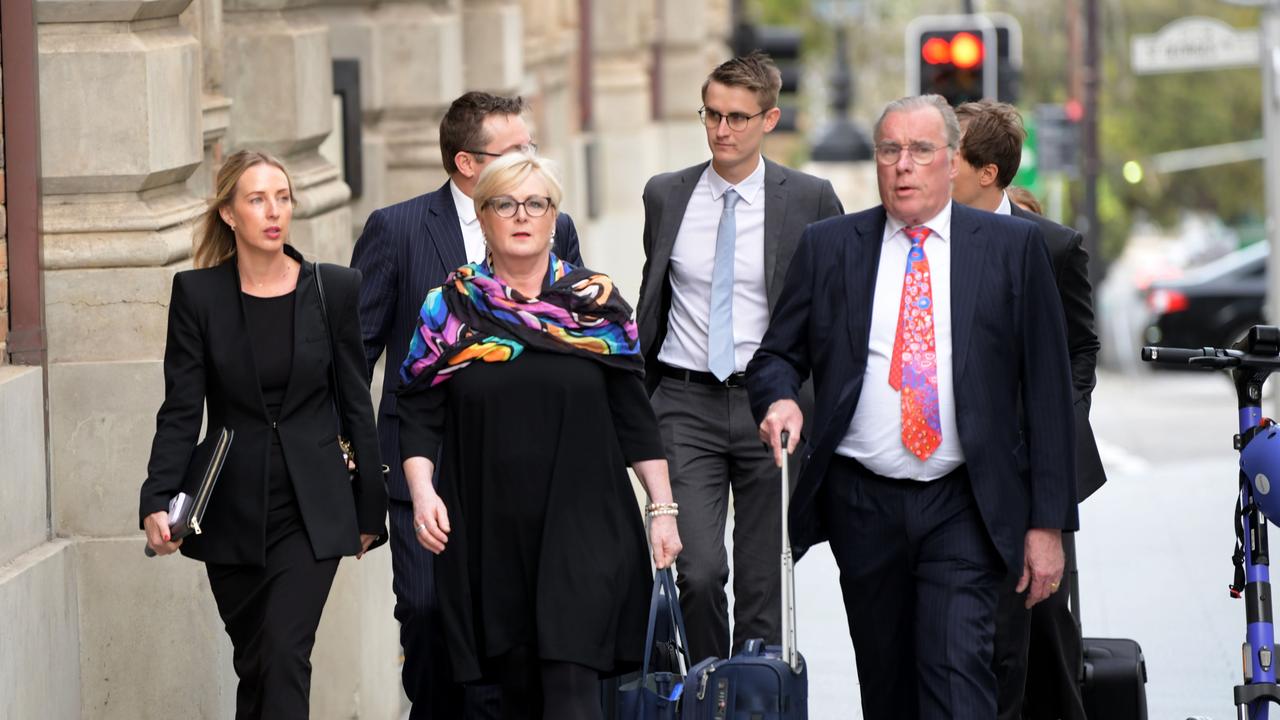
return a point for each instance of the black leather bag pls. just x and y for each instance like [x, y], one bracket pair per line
[344, 442]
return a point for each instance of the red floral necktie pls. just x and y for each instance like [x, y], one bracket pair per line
[913, 367]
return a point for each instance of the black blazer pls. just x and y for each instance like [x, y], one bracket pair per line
[1071, 272]
[404, 251]
[1009, 353]
[208, 361]
[793, 200]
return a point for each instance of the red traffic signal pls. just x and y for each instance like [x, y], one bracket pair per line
[963, 50]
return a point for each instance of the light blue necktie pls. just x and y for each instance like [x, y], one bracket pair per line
[720, 334]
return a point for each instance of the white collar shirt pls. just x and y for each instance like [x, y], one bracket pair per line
[1005, 208]
[472, 234]
[874, 436]
[692, 262]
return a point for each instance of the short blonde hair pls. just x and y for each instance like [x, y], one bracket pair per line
[507, 172]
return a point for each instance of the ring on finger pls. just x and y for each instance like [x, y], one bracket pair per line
[420, 527]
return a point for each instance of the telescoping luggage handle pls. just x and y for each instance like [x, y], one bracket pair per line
[789, 653]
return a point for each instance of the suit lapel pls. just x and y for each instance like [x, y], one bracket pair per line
[968, 246]
[674, 208]
[443, 232]
[861, 264]
[775, 215]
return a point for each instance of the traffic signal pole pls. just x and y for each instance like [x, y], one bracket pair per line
[1088, 217]
[1270, 48]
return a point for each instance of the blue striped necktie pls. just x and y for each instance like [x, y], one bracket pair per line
[720, 334]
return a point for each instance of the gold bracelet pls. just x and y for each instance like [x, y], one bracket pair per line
[651, 507]
[672, 511]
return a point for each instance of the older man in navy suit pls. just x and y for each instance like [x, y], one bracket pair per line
[926, 326]
[405, 250]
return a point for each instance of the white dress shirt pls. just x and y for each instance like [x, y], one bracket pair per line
[1004, 208]
[874, 437]
[472, 235]
[692, 259]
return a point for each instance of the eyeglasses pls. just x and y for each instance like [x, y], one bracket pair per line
[506, 206]
[530, 149]
[921, 153]
[737, 121]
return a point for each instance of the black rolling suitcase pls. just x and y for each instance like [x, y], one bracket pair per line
[1113, 684]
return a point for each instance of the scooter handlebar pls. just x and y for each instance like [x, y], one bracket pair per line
[1206, 357]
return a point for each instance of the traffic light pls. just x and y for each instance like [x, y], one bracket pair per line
[782, 44]
[964, 58]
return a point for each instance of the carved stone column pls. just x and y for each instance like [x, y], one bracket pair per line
[121, 133]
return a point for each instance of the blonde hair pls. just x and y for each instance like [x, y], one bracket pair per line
[215, 241]
[504, 174]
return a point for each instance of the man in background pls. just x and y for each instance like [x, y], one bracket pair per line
[1038, 651]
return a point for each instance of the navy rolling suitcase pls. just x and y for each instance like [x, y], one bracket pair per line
[759, 682]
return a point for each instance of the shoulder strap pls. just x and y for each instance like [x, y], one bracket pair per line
[336, 397]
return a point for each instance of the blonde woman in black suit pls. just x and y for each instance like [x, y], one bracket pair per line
[247, 339]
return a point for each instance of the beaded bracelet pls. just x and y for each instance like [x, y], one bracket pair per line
[656, 509]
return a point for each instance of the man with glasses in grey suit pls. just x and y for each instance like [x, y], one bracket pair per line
[718, 238]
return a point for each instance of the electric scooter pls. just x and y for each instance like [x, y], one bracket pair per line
[1251, 361]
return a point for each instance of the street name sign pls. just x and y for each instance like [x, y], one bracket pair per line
[1194, 43]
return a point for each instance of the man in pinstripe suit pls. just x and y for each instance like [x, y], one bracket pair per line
[929, 329]
[406, 250]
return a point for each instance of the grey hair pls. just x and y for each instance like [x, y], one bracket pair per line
[919, 102]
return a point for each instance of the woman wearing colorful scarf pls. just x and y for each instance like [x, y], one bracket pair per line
[524, 379]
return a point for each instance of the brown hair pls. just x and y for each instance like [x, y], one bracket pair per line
[755, 72]
[462, 128]
[215, 241]
[1023, 197]
[993, 135]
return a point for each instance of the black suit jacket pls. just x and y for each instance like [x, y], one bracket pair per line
[793, 200]
[1009, 354]
[1071, 272]
[406, 250]
[208, 361]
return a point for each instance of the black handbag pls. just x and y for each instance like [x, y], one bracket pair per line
[344, 442]
[652, 693]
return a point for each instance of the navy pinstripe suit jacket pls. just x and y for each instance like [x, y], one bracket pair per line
[1008, 345]
[406, 250]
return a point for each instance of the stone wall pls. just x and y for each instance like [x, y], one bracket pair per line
[4, 247]
[139, 102]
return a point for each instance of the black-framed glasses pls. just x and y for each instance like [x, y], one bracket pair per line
[531, 149]
[737, 121]
[506, 206]
[922, 153]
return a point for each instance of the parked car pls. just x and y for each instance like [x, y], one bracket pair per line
[1212, 305]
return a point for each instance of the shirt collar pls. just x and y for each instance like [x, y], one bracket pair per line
[747, 190]
[939, 224]
[465, 206]
[1005, 208]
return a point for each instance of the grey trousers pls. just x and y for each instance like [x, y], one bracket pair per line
[713, 448]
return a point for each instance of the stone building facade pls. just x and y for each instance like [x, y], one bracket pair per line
[138, 102]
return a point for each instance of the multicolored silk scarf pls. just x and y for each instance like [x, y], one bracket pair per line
[474, 316]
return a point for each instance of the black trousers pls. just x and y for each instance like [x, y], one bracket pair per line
[713, 448]
[426, 674]
[536, 689]
[271, 614]
[920, 578]
[1038, 652]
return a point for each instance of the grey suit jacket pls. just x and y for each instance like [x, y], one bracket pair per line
[793, 200]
